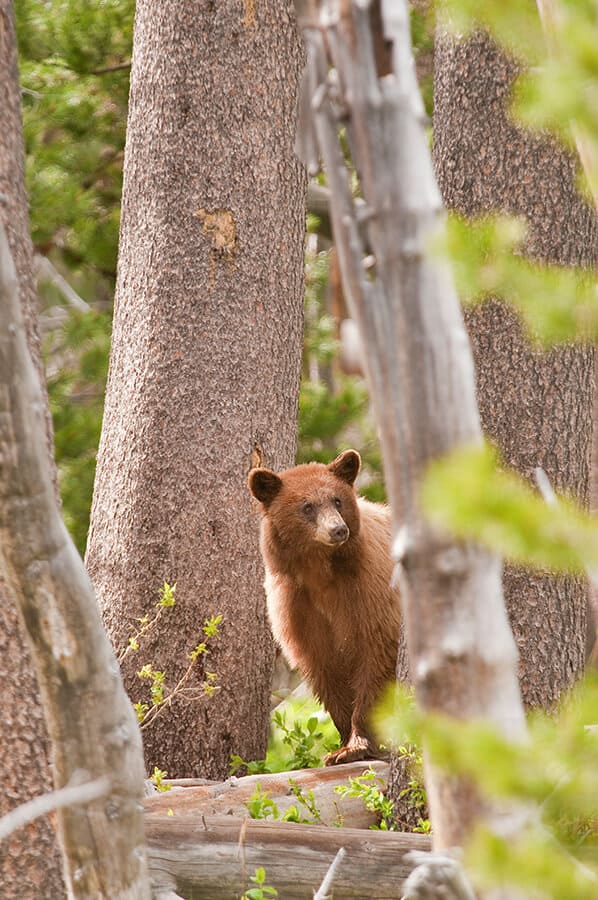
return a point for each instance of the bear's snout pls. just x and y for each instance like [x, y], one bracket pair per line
[339, 533]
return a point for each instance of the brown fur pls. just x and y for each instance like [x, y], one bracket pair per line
[330, 603]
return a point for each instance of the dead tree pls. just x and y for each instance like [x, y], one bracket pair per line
[360, 79]
[91, 722]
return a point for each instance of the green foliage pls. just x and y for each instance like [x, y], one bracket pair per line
[74, 123]
[367, 787]
[74, 117]
[157, 778]
[160, 693]
[167, 599]
[469, 494]
[262, 891]
[261, 806]
[556, 303]
[554, 773]
[76, 367]
[300, 736]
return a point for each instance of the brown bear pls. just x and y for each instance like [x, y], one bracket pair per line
[328, 586]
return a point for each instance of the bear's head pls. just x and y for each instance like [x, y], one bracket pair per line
[310, 504]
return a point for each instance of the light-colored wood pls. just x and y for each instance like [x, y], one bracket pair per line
[462, 657]
[90, 720]
[230, 797]
[212, 858]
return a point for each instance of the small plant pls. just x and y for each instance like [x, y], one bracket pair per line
[307, 800]
[367, 787]
[160, 695]
[261, 806]
[157, 779]
[166, 600]
[304, 729]
[302, 740]
[415, 791]
[261, 891]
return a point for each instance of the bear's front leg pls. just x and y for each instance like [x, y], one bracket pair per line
[361, 743]
[359, 746]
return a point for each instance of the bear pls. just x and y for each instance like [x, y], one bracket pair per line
[331, 605]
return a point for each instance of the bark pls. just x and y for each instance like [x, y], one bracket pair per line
[30, 864]
[537, 406]
[213, 858]
[230, 797]
[205, 359]
[420, 373]
[90, 720]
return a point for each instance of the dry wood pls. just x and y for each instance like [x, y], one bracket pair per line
[211, 858]
[419, 368]
[229, 797]
[91, 723]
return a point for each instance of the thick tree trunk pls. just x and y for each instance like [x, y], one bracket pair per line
[419, 369]
[536, 406]
[205, 359]
[30, 864]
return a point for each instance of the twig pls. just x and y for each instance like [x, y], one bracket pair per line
[71, 795]
[545, 487]
[45, 270]
[115, 68]
[322, 892]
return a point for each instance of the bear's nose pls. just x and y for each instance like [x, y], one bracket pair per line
[339, 533]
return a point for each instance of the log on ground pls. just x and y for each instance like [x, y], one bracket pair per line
[229, 797]
[212, 857]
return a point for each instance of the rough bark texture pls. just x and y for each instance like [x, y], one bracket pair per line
[205, 359]
[420, 373]
[30, 864]
[536, 406]
[91, 723]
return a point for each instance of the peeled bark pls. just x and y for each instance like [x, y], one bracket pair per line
[462, 656]
[90, 720]
[30, 864]
[537, 406]
[205, 360]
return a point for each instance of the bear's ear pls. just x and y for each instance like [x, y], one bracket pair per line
[346, 466]
[264, 485]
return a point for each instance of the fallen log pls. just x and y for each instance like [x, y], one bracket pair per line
[212, 857]
[229, 797]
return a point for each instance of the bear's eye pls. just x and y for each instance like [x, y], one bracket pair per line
[337, 502]
[308, 509]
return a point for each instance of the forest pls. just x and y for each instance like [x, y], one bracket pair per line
[241, 237]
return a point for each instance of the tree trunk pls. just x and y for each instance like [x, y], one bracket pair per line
[537, 406]
[205, 360]
[30, 864]
[419, 370]
[90, 720]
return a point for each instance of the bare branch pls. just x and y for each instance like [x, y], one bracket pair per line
[45, 270]
[74, 794]
[322, 892]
